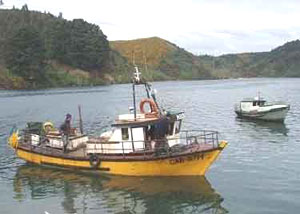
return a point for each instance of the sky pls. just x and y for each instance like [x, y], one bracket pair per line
[212, 27]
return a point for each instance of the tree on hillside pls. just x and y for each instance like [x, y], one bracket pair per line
[24, 54]
[87, 45]
[25, 7]
[77, 43]
[56, 40]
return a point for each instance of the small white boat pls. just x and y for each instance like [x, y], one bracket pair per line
[258, 108]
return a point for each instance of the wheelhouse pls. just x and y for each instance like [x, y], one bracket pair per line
[142, 134]
[252, 103]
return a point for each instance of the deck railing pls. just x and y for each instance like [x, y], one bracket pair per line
[186, 140]
[201, 136]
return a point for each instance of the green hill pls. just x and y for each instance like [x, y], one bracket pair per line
[283, 61]
[232, 65]
[40, 50]
[161, 60]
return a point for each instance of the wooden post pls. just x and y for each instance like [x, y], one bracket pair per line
[132, 141]
[80, 120]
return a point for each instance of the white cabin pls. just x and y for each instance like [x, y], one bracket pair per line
[252, 104]
[129, 135]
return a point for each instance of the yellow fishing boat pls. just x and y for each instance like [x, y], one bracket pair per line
[148, 142]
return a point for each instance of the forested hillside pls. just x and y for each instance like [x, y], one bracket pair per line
[283, 61]
[41, 50]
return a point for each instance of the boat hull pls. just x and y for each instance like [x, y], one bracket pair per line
[183, 165]
[274, 115]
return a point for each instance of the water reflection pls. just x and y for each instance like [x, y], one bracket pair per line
[260, 126]
[87, 193]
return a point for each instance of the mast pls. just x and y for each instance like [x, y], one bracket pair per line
[136, 80]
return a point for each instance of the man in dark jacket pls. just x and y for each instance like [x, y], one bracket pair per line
[65, 129]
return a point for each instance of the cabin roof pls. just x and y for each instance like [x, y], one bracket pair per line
[139, 122]
[251, 99]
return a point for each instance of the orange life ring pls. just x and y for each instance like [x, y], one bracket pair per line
[153, 107]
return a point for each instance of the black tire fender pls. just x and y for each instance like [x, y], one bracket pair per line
[94, 161]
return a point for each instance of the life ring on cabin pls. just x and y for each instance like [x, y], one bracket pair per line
[153, 108]
[48, 126]
[94, 161]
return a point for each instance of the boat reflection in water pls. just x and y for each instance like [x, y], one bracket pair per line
[90, 193]
[263, 126]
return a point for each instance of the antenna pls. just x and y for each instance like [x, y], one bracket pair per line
[136, 75]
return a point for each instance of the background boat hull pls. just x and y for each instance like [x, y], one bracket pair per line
[267, 116]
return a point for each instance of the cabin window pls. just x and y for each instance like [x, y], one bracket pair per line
[125, 134]
[177, 126]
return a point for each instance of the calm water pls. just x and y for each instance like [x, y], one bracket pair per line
[257, 173]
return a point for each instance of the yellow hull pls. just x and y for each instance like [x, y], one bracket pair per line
[184, 165]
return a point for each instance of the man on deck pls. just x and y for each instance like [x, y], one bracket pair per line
[65, 129]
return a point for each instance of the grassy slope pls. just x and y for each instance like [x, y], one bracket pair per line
[146, 54]
[147, 51]
[160, 59]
